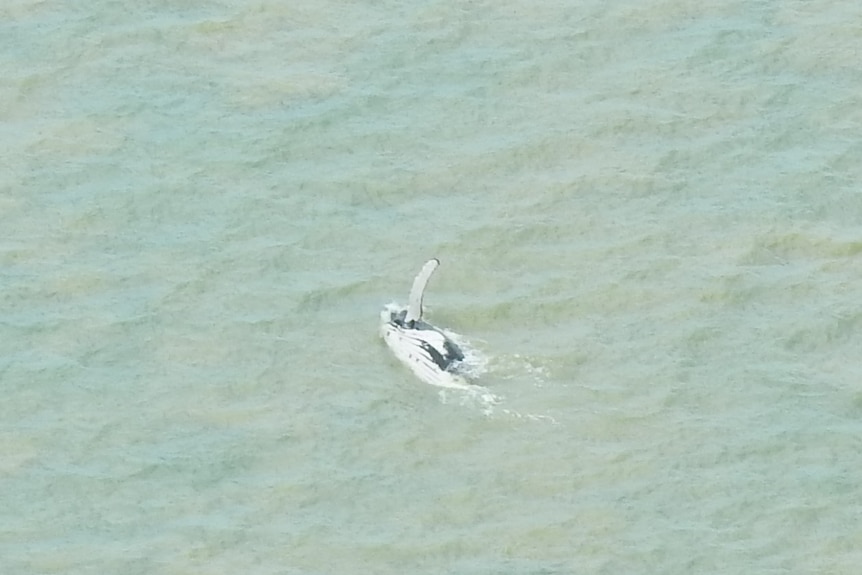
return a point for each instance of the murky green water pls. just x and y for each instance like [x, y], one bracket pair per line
[649, 218]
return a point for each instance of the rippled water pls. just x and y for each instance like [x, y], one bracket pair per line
[648, 215]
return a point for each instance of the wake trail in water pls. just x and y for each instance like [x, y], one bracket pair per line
[477, 364]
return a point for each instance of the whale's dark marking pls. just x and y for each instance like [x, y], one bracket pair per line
[451, 355]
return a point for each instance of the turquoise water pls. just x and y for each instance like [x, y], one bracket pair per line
[648, 216]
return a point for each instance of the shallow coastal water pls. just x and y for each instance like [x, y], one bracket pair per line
[648, 217]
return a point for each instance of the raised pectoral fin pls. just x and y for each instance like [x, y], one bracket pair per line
[414, 309]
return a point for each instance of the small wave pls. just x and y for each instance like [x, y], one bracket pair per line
[475, 396]
[518, 366]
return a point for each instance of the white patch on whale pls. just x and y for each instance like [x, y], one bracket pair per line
[431, 354]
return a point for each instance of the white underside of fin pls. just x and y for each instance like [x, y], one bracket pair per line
[414, 309]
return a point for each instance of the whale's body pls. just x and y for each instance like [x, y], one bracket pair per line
[432, 355]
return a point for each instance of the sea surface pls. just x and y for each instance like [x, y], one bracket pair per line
[649, 218]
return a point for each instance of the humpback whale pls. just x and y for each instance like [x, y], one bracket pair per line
[426, 350]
